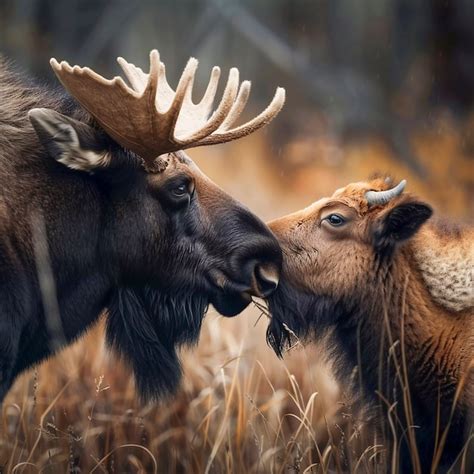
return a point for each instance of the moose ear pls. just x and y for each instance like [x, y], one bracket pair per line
[68, 141]
[400, 223]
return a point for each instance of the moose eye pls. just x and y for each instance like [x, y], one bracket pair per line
[180, 190]
[335, 220]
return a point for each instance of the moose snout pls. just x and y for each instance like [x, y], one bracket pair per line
[266, 277]
[260, 272]
[253, 266]
[258, 278]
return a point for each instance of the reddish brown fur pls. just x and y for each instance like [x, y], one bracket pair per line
[338, 278]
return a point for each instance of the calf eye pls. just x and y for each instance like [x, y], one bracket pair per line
[335, 220]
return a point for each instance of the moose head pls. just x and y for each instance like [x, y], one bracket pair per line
[132, 219]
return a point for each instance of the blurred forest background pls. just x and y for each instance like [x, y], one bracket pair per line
[372, 85]
[392, 78]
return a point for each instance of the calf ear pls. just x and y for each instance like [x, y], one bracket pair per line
[72, 143]
[400, 223]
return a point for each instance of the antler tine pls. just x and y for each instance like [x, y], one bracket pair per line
[165, 91]
[185, 82]
[252, 125]
[238, 106]
[137, 78]
[208, 98]
[63, 69]
[219, 115]
[151, 88]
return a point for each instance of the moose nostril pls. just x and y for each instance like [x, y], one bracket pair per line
[267, 278]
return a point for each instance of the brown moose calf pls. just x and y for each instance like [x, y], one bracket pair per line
[394, 293]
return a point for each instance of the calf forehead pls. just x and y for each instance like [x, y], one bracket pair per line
[361, 187]
[313, 211]
[354, 195]
[294, 221]
[355, 192]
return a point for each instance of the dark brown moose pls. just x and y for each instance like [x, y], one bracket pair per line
[101, 209]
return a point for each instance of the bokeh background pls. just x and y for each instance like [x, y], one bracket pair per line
[372, 86]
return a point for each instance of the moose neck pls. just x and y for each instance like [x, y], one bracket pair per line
[65, 227]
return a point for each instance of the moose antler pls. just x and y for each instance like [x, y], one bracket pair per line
[151, 119]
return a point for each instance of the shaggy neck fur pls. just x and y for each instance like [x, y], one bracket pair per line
[147, 327]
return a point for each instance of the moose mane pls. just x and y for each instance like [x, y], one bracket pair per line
[18, 94]
[147, 327]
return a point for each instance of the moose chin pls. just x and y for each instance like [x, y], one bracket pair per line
[392, 291]
[102, 211]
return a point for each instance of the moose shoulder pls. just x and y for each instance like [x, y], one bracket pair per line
[100, 208]
[395, 292]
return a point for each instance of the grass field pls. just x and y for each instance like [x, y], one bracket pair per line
[239, 410]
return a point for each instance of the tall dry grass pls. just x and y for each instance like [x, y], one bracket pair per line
[239, 410]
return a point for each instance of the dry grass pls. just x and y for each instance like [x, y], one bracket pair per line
[239, 410]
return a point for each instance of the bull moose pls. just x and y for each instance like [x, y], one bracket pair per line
[100, 208]
[394, 295]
